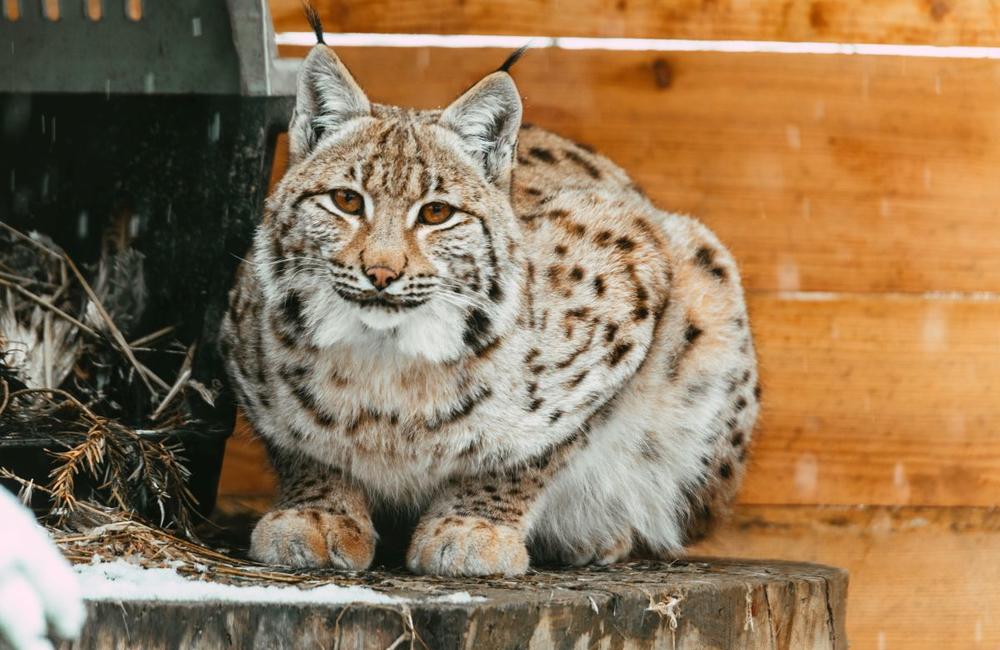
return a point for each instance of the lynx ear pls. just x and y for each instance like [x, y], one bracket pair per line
[487, 118]
[327, 98]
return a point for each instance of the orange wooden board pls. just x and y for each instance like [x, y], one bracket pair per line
[866, 400]
[939, 22]
[920, 578]
[245, 469]
[822, 173]
[877, 400]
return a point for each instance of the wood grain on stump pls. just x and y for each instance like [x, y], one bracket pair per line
[689, 604]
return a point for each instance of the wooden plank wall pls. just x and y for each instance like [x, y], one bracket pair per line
[859, 194]
[937, 22]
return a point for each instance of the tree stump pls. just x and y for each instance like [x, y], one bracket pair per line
[685, 604]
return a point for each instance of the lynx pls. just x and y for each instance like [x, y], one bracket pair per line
[453, 313]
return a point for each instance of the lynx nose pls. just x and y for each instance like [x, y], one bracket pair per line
[381, 276]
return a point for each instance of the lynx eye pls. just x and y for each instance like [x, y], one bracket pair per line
[436, 213]
[349, 201]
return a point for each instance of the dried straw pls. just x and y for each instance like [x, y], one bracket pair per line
[145, 374]
[124, 468]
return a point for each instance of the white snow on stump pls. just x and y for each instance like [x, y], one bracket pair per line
[121, 581]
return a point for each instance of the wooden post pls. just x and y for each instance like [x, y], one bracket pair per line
[686, 604]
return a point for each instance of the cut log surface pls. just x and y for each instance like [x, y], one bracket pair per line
[692, 604]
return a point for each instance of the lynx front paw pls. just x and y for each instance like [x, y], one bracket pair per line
[313, 538]
[466, 546]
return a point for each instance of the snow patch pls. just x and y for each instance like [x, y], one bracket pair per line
[458, 598]
[121, 580]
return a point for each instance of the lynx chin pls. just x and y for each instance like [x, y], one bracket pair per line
[455, 314]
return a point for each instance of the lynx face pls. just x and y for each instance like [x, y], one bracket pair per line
[393, 227]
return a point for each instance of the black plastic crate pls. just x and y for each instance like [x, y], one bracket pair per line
[168, 121]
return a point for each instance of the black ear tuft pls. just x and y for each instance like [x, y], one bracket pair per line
[314, 20]
[326, 99]
[512, 59]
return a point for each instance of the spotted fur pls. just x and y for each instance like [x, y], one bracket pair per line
[560, 368]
